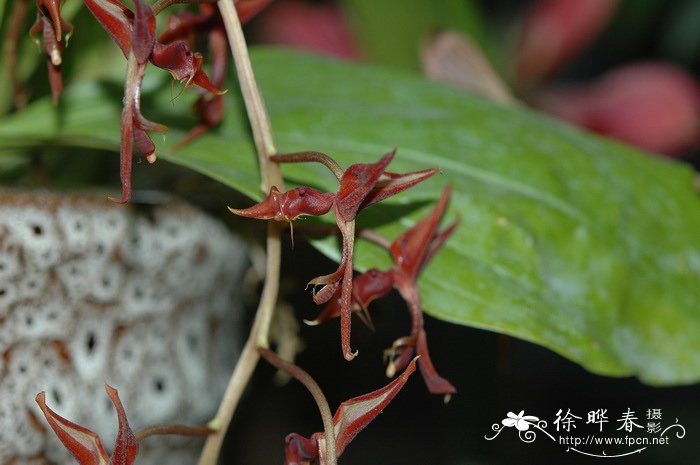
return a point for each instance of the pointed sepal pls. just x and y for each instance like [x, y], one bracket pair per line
[355, 414]
[84, 444]
[290, 205]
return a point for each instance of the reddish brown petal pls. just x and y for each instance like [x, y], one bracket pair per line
[184, 65]
[144, 144]
[84, 444]
[371, 285]
[182, 26]
[143, 36]
[218, 53]
[436, 384]
[357, 182]
[299, 450]
[330, 290]
[116, 19]
[268, 209]
[365, 288]
[410, 248]
[353, 415]
[306, 201]
[52, 9]
[400, 353]
[55, 80]
[437, 242]
[290, 205]
[126, 446]
[391, 184]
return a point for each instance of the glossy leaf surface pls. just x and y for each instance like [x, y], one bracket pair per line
[587, 247]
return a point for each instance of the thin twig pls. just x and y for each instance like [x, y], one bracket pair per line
[374, 237]
[270, 176]
[178, 430]
[313, 388]
[305, 157]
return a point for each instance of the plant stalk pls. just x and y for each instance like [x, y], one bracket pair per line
[314, 389]
[270, 176]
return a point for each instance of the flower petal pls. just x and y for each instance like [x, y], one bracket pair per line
[290, 205]
[410, 249]
[357, 182]
[436, 383]
[143, 34]
[126, 446]
[183, 64]
[84, 444]
[391, 184]
[354, 414]
[116, 19]
[299, 450]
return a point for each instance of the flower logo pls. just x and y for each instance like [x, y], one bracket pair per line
[520, 421]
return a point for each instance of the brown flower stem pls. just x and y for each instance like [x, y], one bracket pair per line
[178, 430]
[271, 176]
[374, 237]
[318, 157]
[313, 388]
[255, 106]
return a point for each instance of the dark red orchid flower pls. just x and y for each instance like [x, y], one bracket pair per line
[411, 252]
[134, 33]
[86, 445]
[290, 205]
[361, 185]
[188, 26]
[51, 26]
[351, 417]
[365, 288]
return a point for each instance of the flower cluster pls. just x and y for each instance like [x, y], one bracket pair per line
[86, 446]
[361, 185]
[410, 252]
[134, 33]
[51, 26]
[351, 417]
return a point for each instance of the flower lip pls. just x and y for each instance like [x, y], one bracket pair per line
[289, 206]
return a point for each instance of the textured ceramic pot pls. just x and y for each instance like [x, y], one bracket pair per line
[145, 298]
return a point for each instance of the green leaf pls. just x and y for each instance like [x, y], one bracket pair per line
[582, 245]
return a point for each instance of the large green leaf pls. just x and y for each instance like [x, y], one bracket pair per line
[582, 245]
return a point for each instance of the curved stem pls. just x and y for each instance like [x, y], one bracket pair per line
[318, 157]
[311, 385]
[270, 175]
[178, 430]
[374, 237]
[255, 106]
